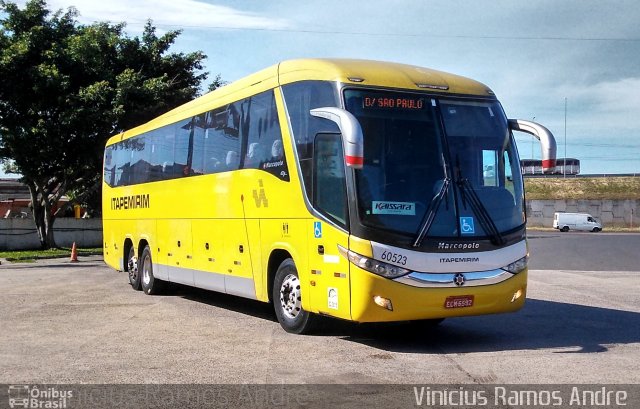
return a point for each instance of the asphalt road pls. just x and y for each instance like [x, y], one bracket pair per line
[82, 323]
[584, 251]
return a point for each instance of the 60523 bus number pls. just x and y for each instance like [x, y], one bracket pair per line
[394, 258]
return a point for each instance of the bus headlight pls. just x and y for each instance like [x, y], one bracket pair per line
[517, 266]
[374, 266]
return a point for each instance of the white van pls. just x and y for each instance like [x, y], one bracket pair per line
[575, 221]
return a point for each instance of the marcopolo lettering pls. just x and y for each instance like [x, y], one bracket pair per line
[458, 246]
[130, 202]
[272, 164]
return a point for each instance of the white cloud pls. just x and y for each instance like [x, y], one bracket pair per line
[179, 13]
[613, 104]
[612, 96]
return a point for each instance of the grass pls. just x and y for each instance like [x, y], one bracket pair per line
[25, 256]
[613, 188]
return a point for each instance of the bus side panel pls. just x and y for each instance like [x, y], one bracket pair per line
[329, 271]
[208, 254]
[144, 230]
[239, 277]
[287, 235]
[176, 249]
[112, 244]
[258, 270]
[160, 249]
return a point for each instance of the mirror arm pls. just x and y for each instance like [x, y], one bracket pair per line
[351, 133]
[546, 138]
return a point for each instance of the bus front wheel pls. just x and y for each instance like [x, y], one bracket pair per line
[150, 284]
[287, 300]
[132, 269]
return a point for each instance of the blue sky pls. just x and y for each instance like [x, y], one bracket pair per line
[533, 54]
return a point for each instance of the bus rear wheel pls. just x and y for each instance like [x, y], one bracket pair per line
[150, 284]
[132, 269]
[287, 300]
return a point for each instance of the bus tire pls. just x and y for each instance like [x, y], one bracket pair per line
[287, 300]
[150, 284]
[564, 229]
[133, 270]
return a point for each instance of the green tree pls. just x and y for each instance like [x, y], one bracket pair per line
[216, 83]
[66, 87]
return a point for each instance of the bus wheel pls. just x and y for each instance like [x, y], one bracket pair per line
[150, 285]
[132, 268]
[564, 229]
[287, 300]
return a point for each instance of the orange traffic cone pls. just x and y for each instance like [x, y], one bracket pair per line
[74, 252]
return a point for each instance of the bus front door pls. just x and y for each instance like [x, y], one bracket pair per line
[330, 292]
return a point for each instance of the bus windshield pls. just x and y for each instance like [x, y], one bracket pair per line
[415, 145]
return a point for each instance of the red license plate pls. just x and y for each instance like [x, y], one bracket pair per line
[459, 301]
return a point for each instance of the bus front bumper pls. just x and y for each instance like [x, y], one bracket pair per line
[381, 299]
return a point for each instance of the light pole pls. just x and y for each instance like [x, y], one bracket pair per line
[564, 167]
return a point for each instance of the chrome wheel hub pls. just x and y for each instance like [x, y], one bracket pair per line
[146, 270]
[290, 299]
[132, 265]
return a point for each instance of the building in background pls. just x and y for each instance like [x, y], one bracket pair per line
[534, 166]
[15, 200]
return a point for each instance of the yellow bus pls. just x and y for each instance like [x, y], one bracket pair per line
[361, 190]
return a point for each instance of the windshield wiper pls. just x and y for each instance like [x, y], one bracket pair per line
[430, 214]
[469, 195]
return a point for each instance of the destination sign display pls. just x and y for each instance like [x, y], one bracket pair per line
[392, 102]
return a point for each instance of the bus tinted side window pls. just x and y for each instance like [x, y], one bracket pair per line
[164, 153]
[264, 140]
[183, 152]
[139, 154]
[121, 157]
[199, 130]
[300, 98]
[153, 145]
[211, 142]
[222, 138]
[329, 190]
[109, 174]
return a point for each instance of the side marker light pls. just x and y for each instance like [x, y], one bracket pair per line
[516, 295]
[383, 302]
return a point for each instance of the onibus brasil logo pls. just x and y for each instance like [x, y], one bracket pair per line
[27, 396]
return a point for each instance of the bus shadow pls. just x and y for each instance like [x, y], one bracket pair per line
[540, 324]
[240, 305]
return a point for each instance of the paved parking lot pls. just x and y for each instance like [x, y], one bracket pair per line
[82, 323]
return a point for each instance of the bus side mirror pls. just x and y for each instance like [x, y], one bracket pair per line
[547, 141]
[351, 133]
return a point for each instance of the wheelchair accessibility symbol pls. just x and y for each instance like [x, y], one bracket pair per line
[317, 230]
[466, 225]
